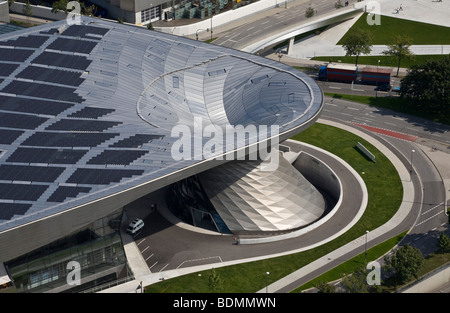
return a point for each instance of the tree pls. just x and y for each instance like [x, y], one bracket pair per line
[150, 26]
[400, 48]
[215, 282]
[427, 85]
[323, 287]
[357, 281]
[444, 243]
[309, 12]
[27, 11]
[358, 41]
[404, 264]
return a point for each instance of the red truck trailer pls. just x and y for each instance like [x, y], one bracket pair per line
[376, 76]
[339, 73]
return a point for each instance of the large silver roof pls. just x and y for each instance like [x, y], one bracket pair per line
[86, 111]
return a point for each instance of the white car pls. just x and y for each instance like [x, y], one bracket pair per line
[135, 226]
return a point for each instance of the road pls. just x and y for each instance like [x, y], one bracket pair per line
[431, 219]
[275, 21]
[188, 248]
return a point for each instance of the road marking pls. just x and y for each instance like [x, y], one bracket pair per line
[202, 259]
[144, 249]
[164, 267]
[149, 257]
[433, 208]
[141, 241]
[332, 87]
[351, 108]
[335, 105]
[153, 265]
[428, 219]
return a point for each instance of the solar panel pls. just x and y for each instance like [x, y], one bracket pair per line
[73, 45]
[31, 41]
[49, 139]
[91, 112]
[119, 157]
[135, 141]
[6, 69]
[8, 210]
[43, 91]
[14, 55]
[63, 60]
[23, 121]
[64, 192]
[35, 106]
[84, 30]
[92, 176]
[44, 174]
[82, 125]
[26, 192]
[51, 75]
[46, 155]
[8, 136]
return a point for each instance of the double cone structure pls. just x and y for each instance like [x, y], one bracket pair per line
[252, 200]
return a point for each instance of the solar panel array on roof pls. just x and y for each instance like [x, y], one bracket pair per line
[45, 174]
[64, 192]
[8, 210]
[84, 31]
[50, 75]
[26, 192]
[73, 45]
[36, 106]
[46, 156]
[6, 69]
[14, 55]
[51, 139]
[82, 125]
[22, 121]
[93, 176]
[91, 112]
[43, 91]
[119, 157]
[135, 141]
[76, 62]
[31, 41]
[8, 136]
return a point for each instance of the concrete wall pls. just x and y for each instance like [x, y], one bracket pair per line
[38, 11]
[4, 12]
[221, 19]
[318, 174]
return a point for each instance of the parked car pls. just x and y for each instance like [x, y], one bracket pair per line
[396, 89]
[135, 226]
[383, 88]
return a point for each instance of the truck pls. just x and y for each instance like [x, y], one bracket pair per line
[338, 72]
[376, 76]
[350, 74]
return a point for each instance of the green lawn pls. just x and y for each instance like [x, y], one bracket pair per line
[385, 195]
[420, 33]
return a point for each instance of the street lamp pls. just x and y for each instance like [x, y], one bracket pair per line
[378, 64]
[365, 248]
[412, 154]
[196, 33]
[267, 282]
